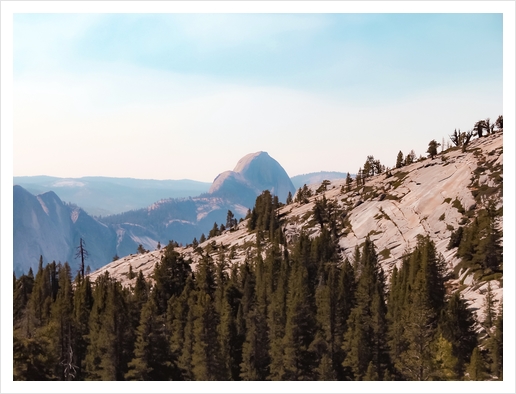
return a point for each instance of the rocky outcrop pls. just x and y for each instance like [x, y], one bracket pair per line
[429, 198]
[253, 174]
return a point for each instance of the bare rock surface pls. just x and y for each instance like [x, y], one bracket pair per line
[428, 197]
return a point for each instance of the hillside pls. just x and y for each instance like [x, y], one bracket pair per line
[395, 275]
[431, 197]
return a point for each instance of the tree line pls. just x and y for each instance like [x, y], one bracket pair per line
[291, 311]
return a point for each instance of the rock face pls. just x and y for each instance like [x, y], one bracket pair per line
[45, 226]
[253, 174]
[231, 184]
[429, 198]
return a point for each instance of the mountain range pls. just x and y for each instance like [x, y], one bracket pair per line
[395, 275]
[46, 226]
[101, 196]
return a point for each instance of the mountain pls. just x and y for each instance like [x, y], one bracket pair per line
[101, 196]
[318, 177]
[183, 219]
[44, 226]
[431, 197]
[397, 275]
[253, 173]
[55, 233]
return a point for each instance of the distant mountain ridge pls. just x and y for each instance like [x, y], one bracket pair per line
[165, 219]
[101, 196]
[104, 196]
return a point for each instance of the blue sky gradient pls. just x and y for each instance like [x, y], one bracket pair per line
[179, 91]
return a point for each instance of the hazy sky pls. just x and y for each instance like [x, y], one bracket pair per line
[172, 96]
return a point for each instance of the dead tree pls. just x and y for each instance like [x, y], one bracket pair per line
[83, 254]
[467, 137]
[70, 370]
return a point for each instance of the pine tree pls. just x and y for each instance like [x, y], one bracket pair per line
[62, 326]
[499, 123]
[33, 358]
[365, 338]
[445, 363]
[255, 349]
[206, 362]
[323, 345]
[141, 249]
[432, 148]
[170, 275]
[185, 345]
[131, 275]
[395, 316]
[214, 231]
[140, 292]
[22, 290]
[83, 302]
[420, 293]
[277, 316]
[457, 327]
[489, 311]
[345, 301]
[416, 362]
[176, 320]
[35, 354]
[495, 347]
[110, 335]
[41, 296]
[289, 198]
[399, 160]
[299, 327]
[227, 332]
[356, 346]
[477, 367]
[489, 251]
[479, 127]
[230, 220]
[410, 157]
[349, 181]
[151, 360]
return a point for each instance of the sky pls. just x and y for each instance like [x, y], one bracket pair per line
[185, 96]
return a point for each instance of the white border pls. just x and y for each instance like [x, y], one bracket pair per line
[7, 11]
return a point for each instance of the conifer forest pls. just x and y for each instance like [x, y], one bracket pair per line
[292, 311]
